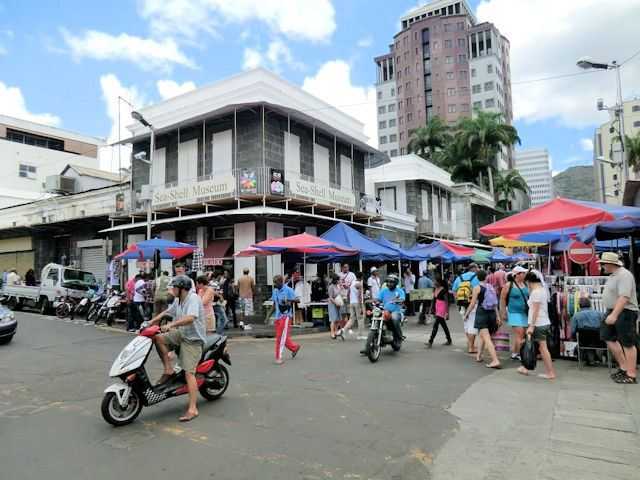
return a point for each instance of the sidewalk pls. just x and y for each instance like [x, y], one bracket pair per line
[580, 426]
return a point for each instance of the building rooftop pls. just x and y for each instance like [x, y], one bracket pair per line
[94, 172]
[409, 167]
[48, 131]
[437, 5]
[257, 86]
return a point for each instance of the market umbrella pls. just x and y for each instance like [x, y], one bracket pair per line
[481, 256]
[151, 249]
[559, 214]
[498, 255]
[512, 241]
[304, 243]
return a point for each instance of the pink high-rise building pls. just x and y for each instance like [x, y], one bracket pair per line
[441, 63]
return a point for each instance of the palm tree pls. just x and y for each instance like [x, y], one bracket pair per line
[426, 140]
[632, 146]
[486, 134]
[507, 185]
[459, 160]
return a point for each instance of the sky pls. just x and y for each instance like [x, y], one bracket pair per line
[66, 63]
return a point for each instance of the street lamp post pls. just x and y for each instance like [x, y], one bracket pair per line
[137, 116]
[586, 63]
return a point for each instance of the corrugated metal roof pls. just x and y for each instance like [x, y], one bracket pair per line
[95, 173]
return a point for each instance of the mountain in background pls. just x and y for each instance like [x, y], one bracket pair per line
[575, 182]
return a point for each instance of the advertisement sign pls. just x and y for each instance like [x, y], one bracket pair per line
[421, 294]
[322, 194]
[276, 183]
[212, 262]
[193, 192]
[248, 182]
[581, 253]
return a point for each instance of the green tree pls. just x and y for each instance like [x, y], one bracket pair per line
[506, 186]
[428, 139]
[457, 158]
[485, 135]
[632, 146]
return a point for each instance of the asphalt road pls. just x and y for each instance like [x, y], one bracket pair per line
[327, 414]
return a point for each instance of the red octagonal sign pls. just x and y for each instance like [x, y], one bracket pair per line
[581, 253]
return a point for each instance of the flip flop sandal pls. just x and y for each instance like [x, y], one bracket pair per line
[495, 367]
[626, 380]
[188, 418]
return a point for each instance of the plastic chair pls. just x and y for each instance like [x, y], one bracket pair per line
[592, 341]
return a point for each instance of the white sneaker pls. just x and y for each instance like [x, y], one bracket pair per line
[350, 332]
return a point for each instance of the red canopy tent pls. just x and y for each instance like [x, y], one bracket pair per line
[302, 243]
[556, 214]
[458, 250]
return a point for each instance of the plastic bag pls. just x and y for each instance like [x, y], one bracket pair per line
[528, 354]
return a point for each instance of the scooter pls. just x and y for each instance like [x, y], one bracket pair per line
[123, 401]
[382, 333]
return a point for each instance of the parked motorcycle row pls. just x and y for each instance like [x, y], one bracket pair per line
[94, 307]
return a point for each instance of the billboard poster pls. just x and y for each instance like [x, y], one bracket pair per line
[248, 182]
[276, 181]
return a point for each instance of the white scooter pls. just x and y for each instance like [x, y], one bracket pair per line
[124, 400]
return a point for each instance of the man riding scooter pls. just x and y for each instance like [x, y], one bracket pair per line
[392, 298]
[186, 334]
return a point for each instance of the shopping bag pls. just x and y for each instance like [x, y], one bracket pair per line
[528, 354]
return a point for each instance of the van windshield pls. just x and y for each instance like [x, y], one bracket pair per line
[79, 275]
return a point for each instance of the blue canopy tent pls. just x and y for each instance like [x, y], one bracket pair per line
[402, 253]
[498, 255]
[369, 249]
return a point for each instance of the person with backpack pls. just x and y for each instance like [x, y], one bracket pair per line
[463, 290]
[514, 308]
[485, 303]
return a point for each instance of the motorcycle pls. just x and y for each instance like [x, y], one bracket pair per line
[123, 401]
[107, 309]
[381, 333]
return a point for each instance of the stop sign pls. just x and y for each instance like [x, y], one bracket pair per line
[581, 253]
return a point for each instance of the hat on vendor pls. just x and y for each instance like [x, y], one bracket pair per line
[519, 269]
[612, 258]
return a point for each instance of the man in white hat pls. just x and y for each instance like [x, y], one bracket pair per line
[374, 283]
[619, 328]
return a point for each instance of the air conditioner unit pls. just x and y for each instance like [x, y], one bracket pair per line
[60, 184]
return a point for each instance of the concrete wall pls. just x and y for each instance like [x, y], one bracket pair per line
[47, 162]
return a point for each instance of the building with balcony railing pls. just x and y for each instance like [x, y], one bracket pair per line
[410, 186]
[242, 160]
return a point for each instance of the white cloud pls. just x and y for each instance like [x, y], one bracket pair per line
[111, 158]
[274, 57]
[365, 42]
[3, 51]
[169, 88]
[547, 38]
[12, 103]
[297, 19]
[252, 59]
[586, 144]
[332, 83]
[147, 53]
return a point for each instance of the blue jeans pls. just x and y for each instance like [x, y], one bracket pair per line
[221, 319]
